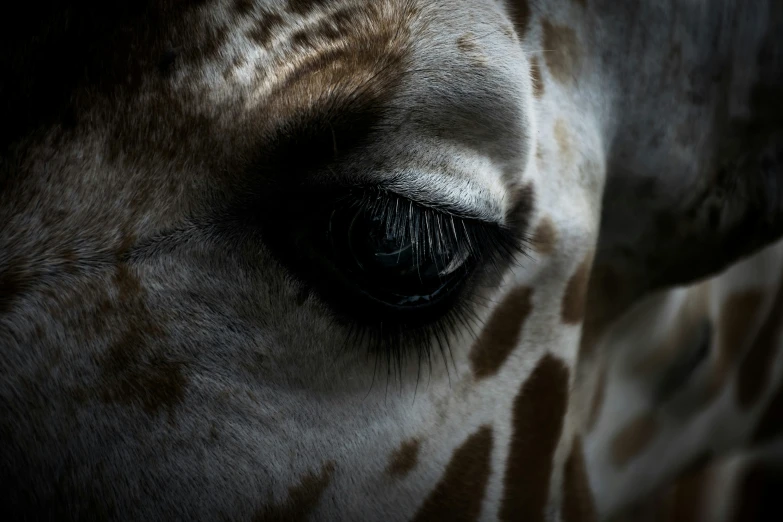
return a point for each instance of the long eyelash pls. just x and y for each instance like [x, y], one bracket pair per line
[490, 247]
[435, 230]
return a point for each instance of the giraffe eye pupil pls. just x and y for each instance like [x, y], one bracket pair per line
[395, 265]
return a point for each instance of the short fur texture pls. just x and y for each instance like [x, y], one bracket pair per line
[160, 359]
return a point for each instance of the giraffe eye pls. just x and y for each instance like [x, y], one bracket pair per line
[396, 265]
[382, 263]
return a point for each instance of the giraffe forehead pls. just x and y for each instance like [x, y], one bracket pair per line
[204, 87]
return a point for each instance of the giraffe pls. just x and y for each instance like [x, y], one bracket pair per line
[693, 410]
[209, 209]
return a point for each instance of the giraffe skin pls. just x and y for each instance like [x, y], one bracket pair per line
[176, 342]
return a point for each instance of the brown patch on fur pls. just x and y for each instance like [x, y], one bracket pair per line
[633, 439]
[520, 14]
[243, 7]
[603, 303]
[753, 374]
[537, 419]
[545, 236]
[467, 45]
[213, 40]
[501, 333]
[770, 425]
[302, 498]
[302, 7]
[577, 496]
[522, 200]
[459, 493]
[263, 31]
[132, 373]
[303, 38]
[598, 397]
[564, 53]
[132, 377]
[403, 459]
[573, 305]
[318, 101]
[737, 317]
[583, 3]
[535, 75]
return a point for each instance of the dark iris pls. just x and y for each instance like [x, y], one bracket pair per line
[396, 267]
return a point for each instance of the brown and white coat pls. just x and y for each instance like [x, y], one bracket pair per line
[159, 359]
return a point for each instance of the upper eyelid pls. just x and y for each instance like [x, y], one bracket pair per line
[464, 229]
[363, 192]
[450, 209]
[452, 195]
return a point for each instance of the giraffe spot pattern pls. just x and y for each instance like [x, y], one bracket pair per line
[577, 496]
[459, 493]
[573, 305]
[302, 498]
[466, 44]
[469, 47]
[302, 7]
[243, 7]
[564, 53]
[264, 30]
[404, 459]
[537, 420]
[520, 14]
[603, 293]
[545, 236]
[131, 372]
[501, 334]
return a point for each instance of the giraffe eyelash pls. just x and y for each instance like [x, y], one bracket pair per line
[481, 251]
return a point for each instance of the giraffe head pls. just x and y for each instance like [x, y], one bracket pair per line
[277, 259]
